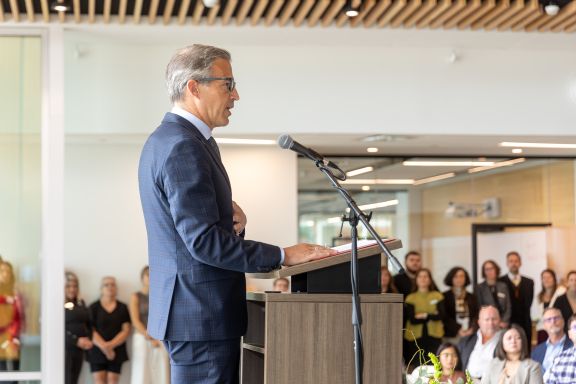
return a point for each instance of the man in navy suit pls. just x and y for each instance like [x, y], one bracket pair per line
[196, 247]
[558, 341]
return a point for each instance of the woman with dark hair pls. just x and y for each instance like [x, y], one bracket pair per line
[512, 363]
[150, 361]
[424, 313]
[78, 328]
[567, 302]
[460, 305]
[387, 282]
[494, 292]
[546, 298]
[451, 364]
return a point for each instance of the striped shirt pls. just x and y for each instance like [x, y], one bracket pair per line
[563, 370]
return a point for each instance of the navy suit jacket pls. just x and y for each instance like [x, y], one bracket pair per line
[197, 263]
[539, 351]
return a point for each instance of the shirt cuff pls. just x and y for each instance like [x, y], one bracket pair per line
[282, 255]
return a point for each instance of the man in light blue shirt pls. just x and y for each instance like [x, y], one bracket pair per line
[547, 351]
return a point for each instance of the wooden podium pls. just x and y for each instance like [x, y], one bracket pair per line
[307, 338]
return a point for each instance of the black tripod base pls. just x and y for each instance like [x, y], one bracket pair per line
[336, 279]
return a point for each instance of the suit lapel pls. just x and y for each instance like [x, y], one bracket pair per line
[173, 118]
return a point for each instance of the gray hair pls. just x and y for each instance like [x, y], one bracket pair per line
[191, 63]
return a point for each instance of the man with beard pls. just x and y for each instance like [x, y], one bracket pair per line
[406, 282]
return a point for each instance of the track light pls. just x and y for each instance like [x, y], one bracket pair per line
[350, 10]
[60, 6]
[552, 7]
[210, 3]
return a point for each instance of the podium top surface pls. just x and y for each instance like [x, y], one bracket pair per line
[340, 258]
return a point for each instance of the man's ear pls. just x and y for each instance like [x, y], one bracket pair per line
[192, 87]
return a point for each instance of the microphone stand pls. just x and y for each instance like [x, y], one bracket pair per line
[356, 215]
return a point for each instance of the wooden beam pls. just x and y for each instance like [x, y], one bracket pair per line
[228, 11]
[499, 9]
[122, 8]
[91, 11]
[538, 22]
[318, 10]
[441, 7]
[486, 7]
[30, 10]
[394, 9]
[335, 8]
[273, 11]
[288, 11]
[529, 8]
[137, 11]
[243, 12]
[62, 17]
[45, 10]
[302, 12]
[566, 23]
[107, 10]
[516, 7]
[530, 18]
[470, 9]
[378, 10]
[198, 10]
[167, 14]
[77, 15]
[153, 11]
[570, 28]
[408, 10]
[15, 10]
[457, 6]
[420, 13]
[565, 13]
[258, 11]
[212, 14]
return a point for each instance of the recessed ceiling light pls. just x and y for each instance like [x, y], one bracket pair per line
[379, 181]
[517, 150]
[434, 178]
[222, 140]
[359, 171]
[383, 204]
[538, 145]
[372, 149]
[413, 163]
[333, 220]
[498, 165]
[365, 188]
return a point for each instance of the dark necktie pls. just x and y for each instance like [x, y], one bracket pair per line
[214, 147]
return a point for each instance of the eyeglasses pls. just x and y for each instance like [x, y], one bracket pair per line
[230, 83]
[552, 319]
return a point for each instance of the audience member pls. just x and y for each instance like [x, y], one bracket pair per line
[424, 315]
[521, 290]
[281, 284]
[493, 292]
[78, 329]
[512, 363]
[386, 281]
[150, 361]
[545, 299]
[111, 326]
[461, 306]
[563, 369]
[451, 364]
[11, 316]
[406, 282]
[477, 350]
[566, 303]
[547, 351]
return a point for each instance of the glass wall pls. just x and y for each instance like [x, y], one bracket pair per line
[20, 203]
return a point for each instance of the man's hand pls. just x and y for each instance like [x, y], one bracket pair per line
[302, 253]
[239, 218]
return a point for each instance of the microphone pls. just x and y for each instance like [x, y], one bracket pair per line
[286, 142]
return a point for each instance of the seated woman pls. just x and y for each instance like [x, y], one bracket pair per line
[512, 363]
[451, 364]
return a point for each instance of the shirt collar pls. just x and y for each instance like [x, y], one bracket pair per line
[513, 277]
[560, 342]
[199, 124]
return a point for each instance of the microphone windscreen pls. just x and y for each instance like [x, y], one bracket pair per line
[285, 141]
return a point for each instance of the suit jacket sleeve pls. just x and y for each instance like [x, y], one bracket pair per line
[201, 216]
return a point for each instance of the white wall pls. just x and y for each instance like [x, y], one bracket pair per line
[335, 80]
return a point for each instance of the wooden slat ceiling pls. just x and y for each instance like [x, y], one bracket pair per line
[500, 15]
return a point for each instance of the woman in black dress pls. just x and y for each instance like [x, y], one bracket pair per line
[460, 305]
[111, 327]
[78, 329]
[567, 302]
